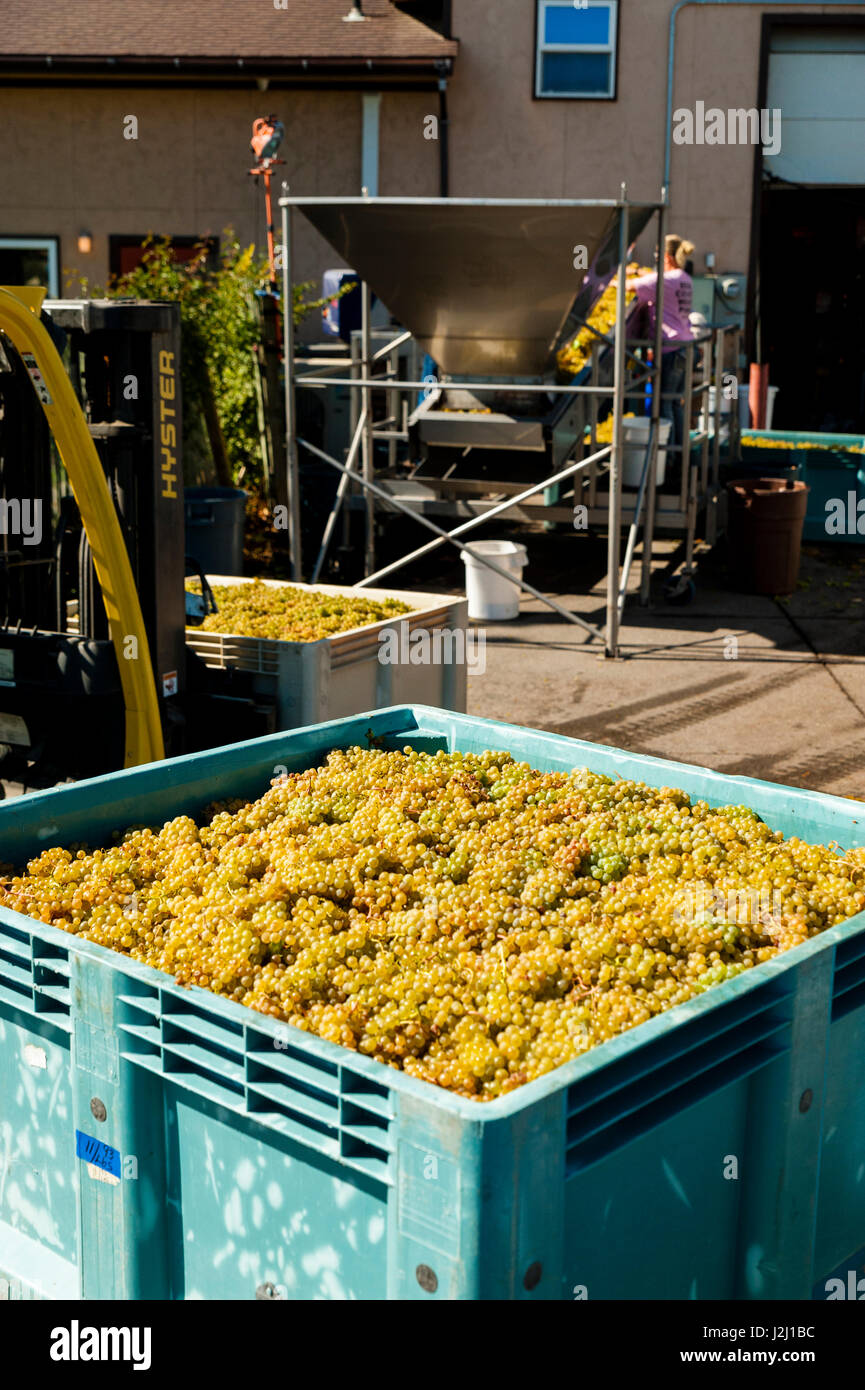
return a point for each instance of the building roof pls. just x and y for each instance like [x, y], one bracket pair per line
[220, 32]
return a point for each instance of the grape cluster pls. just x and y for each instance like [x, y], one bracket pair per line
[290, 614]
[462, 917]
[604, 431]
[574, 356]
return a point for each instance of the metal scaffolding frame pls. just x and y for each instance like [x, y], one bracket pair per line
[697, 484]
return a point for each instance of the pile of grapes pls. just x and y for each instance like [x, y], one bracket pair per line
[291, 614]
[753, 441]
[574, 356]
[459, 916]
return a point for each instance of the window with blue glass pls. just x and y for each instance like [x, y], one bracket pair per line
[576, 48]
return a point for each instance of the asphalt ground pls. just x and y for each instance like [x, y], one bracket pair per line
[769, 687]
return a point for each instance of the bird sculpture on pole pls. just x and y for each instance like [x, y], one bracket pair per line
[267, 133]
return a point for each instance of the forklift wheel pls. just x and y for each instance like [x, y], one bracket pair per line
[681, 591]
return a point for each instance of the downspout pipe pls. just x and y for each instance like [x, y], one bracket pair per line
[671, 60]
[444, 144]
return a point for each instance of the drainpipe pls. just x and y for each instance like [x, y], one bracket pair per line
[370, 143]
[444, 148]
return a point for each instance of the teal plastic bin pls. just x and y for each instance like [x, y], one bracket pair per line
[160, 1142]
[832, 465]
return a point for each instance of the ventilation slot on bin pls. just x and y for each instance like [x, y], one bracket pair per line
[205, 1055]
[640, 1092]
[849, 988]
[16, 968]
[315, 1102]
[294, 1108]
[51, 982]
[367, 1115]
[256, 654]
[140, 1027]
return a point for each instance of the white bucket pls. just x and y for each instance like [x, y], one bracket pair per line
[492, 597]
[635, 434]
[706, 421]
[707, 416]
[745, 408]
[771, 395]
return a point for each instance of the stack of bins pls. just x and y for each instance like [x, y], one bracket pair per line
[162, 1142]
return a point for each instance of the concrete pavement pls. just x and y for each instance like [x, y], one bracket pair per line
[744, 684]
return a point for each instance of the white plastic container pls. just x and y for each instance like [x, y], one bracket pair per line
[745, 407]
[635, 434]
[491, 597]
[707, 416]
[771, 395]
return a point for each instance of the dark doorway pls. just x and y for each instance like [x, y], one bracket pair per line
[125, 253]
[812, 293]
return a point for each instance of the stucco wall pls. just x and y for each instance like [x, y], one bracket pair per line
[505, 143]
[66, 167]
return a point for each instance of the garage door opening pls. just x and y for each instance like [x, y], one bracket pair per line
[812, 301]
[809, 306]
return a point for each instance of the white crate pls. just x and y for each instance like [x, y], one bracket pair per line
[342, 675]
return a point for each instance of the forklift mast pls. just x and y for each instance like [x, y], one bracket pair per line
[124, 359]
[95, 672]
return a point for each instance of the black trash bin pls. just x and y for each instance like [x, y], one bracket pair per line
[215, 518]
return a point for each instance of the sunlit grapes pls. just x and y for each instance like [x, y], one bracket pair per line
[290, 614]
[462, 917]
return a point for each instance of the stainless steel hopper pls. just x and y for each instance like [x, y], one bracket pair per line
[485, 287]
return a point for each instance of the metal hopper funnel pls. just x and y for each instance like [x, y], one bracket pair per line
[484, 286]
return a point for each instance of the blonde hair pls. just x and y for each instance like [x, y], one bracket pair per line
[678, 249]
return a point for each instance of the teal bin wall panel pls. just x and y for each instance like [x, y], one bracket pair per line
[714, 1152]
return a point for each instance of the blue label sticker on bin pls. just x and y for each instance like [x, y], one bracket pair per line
[97, 1152]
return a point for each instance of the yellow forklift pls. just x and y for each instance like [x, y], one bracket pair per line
[95, 673]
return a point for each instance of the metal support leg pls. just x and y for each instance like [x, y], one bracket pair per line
[657, 412]
[712, 490]
[292, 471]
[593, 407]
[687, 404]
[649, 464]
[338, 500]
[692, 523]
[614, 514]
[368, 441]
[393, 411]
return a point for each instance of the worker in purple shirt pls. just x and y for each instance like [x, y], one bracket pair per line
[676, 327]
